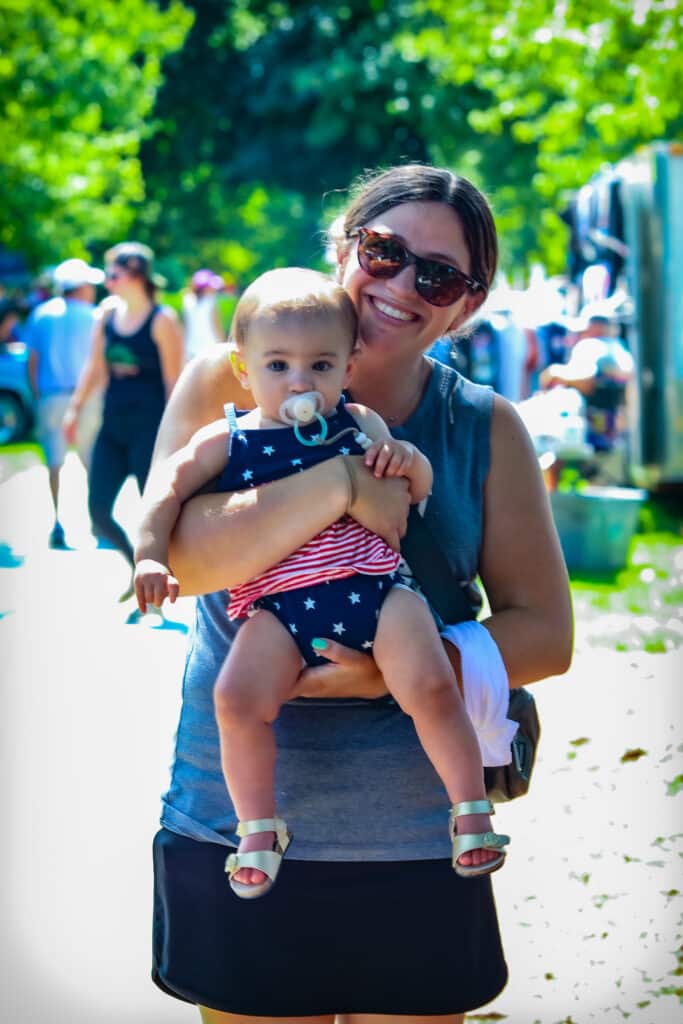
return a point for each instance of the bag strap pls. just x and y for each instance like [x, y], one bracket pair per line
[427, 562]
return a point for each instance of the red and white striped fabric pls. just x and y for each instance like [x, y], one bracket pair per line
[343, 549]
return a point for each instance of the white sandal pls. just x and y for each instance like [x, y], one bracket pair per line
[268, 861]
[475, 840]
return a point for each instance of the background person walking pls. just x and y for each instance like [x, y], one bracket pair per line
[138, 350]
[201, 316]
[59, 334]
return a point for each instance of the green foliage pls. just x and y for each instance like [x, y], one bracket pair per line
[566, 88]
[269, 107]
[229, 143]
[77, 87]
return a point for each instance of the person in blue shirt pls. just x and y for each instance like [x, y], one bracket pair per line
[58, 334]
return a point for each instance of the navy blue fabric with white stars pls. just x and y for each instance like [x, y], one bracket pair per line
[260, 456]
[344, 610]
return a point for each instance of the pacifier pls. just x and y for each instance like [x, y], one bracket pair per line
[299, 410]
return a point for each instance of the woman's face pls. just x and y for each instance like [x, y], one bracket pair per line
[115, 278]
[119, 281]
[393, 318]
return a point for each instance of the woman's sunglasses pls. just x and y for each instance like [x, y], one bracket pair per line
[437, 283]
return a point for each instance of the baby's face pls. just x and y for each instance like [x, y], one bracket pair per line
[280, 362]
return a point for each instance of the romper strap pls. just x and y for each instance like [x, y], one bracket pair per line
[231, 416]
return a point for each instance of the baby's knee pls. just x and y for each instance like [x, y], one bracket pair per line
[236, 700]
[419, 691]
[231, 699]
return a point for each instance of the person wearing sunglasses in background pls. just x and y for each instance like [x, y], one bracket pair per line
[136, 356]
[368, 921]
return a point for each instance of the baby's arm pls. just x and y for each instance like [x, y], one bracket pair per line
[388, 457]
[170, 483]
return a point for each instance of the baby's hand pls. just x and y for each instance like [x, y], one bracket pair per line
[390, 458]
[153, 583]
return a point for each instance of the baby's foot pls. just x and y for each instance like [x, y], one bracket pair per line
[470, 824]
[256, 841]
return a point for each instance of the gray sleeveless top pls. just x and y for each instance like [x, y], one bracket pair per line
[352, 780]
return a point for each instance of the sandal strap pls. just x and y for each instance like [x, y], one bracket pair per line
[478, 841]
[267, 861]
[472, 807]
[250, 828]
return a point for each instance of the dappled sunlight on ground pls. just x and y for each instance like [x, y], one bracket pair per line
[590, 898]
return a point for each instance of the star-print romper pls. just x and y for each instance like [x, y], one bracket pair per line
[334, 585]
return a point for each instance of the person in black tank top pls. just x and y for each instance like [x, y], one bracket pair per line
[138, 347]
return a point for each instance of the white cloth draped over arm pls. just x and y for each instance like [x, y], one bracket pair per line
[486, 690]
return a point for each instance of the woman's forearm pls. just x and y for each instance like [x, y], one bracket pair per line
[521, 564]
[222, 540]
[533, 645]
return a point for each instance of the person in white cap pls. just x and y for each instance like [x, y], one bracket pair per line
[58, 334]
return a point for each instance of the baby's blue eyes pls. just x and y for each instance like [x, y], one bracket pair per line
[280, 366]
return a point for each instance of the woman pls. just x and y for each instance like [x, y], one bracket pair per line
[372, 923]
[137, 354]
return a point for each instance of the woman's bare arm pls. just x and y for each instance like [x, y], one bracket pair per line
[521, 566]
[168, 335]
[224, 539]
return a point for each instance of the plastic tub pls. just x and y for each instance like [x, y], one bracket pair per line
[596, 525]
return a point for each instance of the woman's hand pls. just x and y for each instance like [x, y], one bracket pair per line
[380, 505]
[349, 674]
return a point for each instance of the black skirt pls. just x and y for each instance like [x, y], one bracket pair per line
[397, 937]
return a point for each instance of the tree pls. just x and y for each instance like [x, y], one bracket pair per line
[77, 85]
[268, 112]
[567, 87]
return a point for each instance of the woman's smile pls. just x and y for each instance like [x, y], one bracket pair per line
[390, 310]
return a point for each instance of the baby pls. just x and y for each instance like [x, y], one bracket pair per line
[295, 333]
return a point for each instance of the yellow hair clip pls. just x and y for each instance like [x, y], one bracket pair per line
[238, 367]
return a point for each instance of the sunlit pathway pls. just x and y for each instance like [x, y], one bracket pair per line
[589, 898]
[89, 710]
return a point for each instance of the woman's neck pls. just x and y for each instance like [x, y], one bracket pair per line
[392, 391]
[136, 304]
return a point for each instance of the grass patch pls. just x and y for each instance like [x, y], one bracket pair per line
[638, 608]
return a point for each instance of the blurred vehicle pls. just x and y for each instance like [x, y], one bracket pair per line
[627, 230]
[16, 397]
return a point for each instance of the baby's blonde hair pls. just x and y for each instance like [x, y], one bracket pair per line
[294, 295]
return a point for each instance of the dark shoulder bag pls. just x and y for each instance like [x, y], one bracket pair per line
[421, 551]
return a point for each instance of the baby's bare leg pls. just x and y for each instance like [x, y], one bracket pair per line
[410, 655]
[256, 678]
